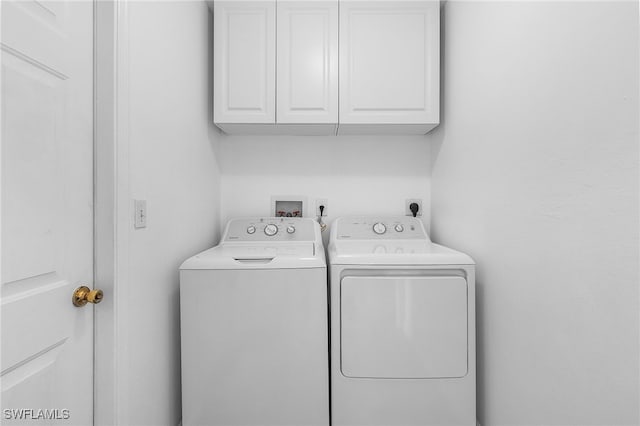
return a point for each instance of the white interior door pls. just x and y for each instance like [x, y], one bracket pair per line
[47, 211]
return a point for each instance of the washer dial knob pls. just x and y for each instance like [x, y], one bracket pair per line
[379, 228]
[399, 228]
[251, 229]
[271, 230]
[291, 229]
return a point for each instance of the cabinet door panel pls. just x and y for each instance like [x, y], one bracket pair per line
[307, 40]
[389, 62]
[244, 61]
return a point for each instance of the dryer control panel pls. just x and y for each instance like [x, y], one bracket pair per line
[380, 228]
[270, 229]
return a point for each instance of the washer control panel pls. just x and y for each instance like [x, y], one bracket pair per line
[385, 228]
[270, 229]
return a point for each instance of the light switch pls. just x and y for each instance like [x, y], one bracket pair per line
[140, 207]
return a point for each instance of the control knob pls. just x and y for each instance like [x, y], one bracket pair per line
[399, 228]
[291, 229]
[379, 228]
[271, 230]
[251, 229]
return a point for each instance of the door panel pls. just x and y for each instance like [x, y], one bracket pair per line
[47, 211]
[403, 327]
[31, 175]
[244, 75]
[389, 62]
[307, 45]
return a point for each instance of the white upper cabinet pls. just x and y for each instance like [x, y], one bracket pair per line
[277, 68]
[389, 66]
[307, 63]
[244, 61]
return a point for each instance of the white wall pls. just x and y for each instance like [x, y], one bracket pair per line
[357, 174]
[172, 165]
[535, 174]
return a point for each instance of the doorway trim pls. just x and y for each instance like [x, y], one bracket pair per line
[111, 210]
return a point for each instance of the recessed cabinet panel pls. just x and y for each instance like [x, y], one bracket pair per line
[244, 61]
[403, 327]
[307, 46]
[389, 62]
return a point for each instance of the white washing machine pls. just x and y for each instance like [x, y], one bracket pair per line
[402, 326]
[254, 316]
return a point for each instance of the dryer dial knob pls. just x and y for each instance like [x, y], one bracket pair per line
[271, 230]
[251, 229]
[291, 229]
[379, 228]
[399, 228]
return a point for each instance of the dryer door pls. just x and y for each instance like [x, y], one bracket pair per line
[403, 326]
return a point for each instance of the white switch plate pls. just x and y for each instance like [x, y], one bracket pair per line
[322, 202]
[140, 207]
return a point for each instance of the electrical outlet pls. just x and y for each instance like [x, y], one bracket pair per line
[322, 202]
[408, 203]
[140, 207]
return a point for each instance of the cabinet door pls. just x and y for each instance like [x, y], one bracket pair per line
[389, 62]
[307, 40]
[244, 61]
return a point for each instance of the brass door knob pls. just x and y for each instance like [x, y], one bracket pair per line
[83, 294]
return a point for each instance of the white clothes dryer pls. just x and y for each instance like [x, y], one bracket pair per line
[254, 314]
[402, 326]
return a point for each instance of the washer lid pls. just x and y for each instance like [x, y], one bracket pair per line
[264, 243]
[394, 252]
[258, 256]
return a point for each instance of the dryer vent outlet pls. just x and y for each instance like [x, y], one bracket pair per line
[408, 205]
